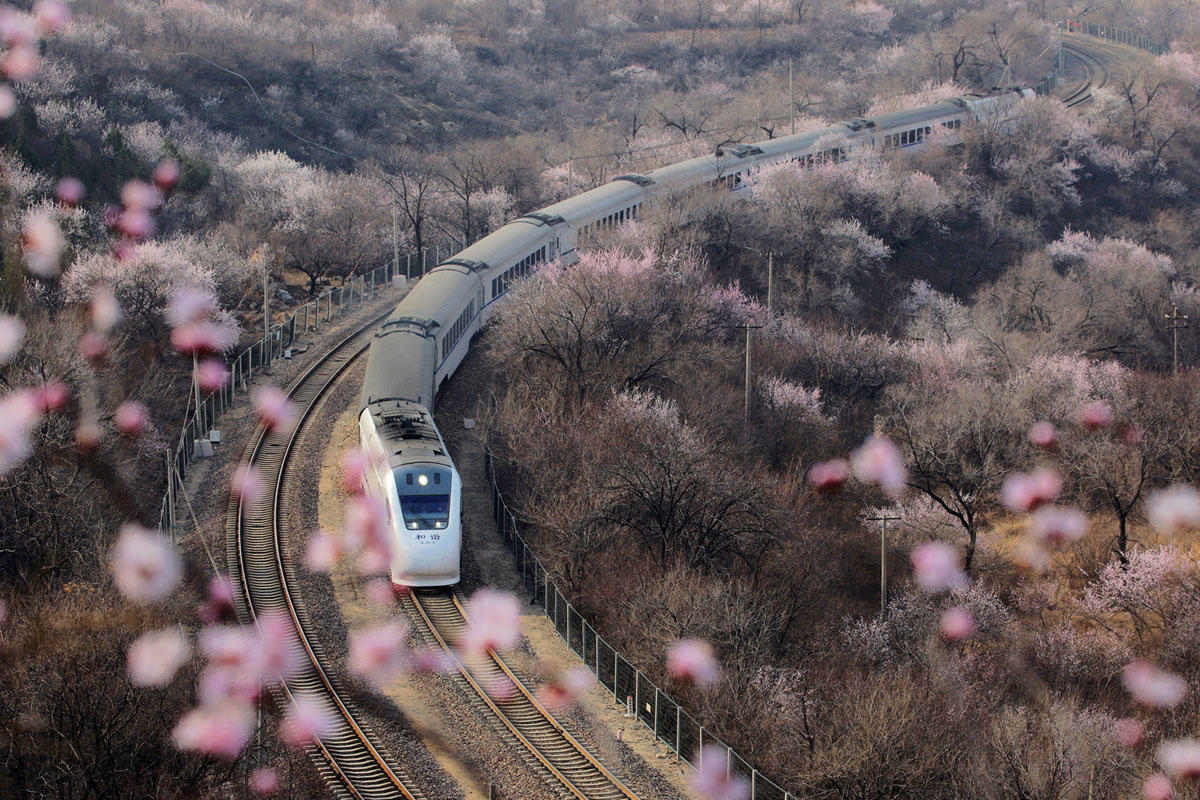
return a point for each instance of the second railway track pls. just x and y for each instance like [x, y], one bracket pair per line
[563, 760]
[352, 761]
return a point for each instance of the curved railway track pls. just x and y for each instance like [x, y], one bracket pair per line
[1096, 74]
[440, 619]
[352, 764]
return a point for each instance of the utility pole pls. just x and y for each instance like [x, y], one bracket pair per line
[748, 328]
[395, 238]
[770, 279]
[791, 99]
[1175, 321]
[883, 520]
[268, 348]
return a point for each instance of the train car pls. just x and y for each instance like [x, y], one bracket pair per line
[410, 473]
[425, 339]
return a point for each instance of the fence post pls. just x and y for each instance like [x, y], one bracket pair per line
[637, 695]
[753, 783]
[678, 730]
[656, 693]
[616, 662]
[171, 495]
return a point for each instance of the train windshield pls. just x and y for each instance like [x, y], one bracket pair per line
[425, 511]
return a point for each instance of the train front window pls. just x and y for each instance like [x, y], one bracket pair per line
[425, 511]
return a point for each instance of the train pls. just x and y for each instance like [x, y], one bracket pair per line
[423, 341]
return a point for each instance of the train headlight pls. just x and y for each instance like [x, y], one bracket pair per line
[423, 480]
[412, 526]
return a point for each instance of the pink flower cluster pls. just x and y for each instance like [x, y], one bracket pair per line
[693, 661]
[878, 462]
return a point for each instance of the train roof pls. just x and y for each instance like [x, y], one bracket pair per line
[589, 204]
[512, 242]
[800, 142]
[912, 117]
[406, 431]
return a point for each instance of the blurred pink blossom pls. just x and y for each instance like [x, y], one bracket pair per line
[712, 780]
[1022, 492]
[204, 337]
[131, 418]
[957, 624]
[211, 374]
[1129, 732]
[21, 63]
[188, 305]
[828, 477]
[16, 29]
[325, 549]
[935, 566]
[42, 243]
[377, 654]
[8, 101]
[1180, 758]
[1057, 525]
[141, 196]
[220, 599]
[232, 647]
[70, 191]
[12, 332]
[693, 661]
[93, 346]
[354, 465]
[275, 410]
[145, 565]
[306, 721]
[494, 622]
[19, 413]
[379, 593]
[1157, 787]
[51, 15]
[280, 651]
[136, 223]
[1043, 435]
[1152, 686]
[366, 531]
[52, 396]
[246, 483]
[432, 661]
[155, 657]
[1031, 556]
[565, 689]
[1095, 415]
[219, 685]
[220, 730]
[166, 175]
[1173, 510]
[264, 782]
[879, 461]
[87, 435]
[106, 311]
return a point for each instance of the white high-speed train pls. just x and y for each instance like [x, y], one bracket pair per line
[426, 337]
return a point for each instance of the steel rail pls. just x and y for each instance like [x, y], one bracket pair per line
[442, 618]
[354, 765]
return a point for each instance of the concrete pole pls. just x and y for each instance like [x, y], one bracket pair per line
[395, 236]
[747, 409]
[268, 350]
[770, 279]
[791, 99]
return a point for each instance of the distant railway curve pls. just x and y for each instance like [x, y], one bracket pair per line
[352, 763]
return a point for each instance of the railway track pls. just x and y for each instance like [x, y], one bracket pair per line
[351, 762]
[439, 618]
[1096, 74]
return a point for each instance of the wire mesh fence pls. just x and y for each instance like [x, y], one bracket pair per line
[318, 312]
[1113, 34]
[643, 700]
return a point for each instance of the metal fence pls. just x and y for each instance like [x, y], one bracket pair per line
[631, 688]
[1118, 35]
[259, 355]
